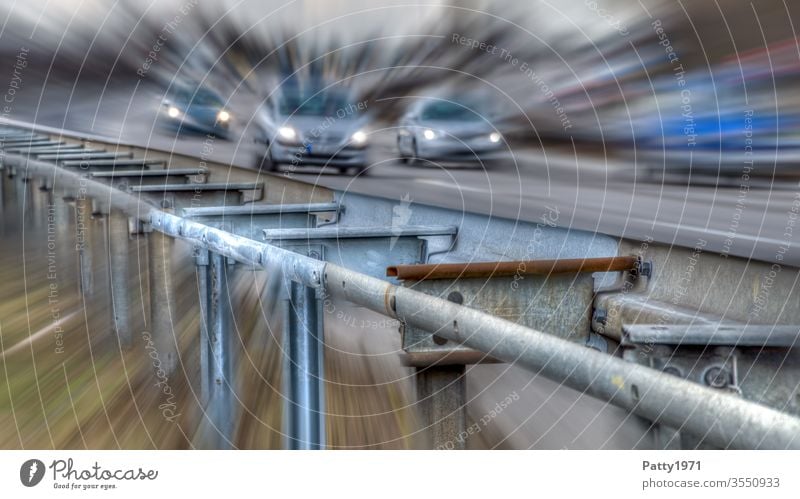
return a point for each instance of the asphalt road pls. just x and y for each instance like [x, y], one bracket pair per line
[612, 195]
[592, 193]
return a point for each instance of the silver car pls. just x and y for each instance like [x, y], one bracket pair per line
[325, 129]
[443, 130]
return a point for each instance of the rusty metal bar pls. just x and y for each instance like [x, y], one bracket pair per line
[507, 269]
[451, 358]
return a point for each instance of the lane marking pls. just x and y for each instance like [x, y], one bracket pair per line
[738, 235]
[440, 183]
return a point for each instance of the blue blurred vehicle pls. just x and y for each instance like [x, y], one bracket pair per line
[195, 109]
[740, 118]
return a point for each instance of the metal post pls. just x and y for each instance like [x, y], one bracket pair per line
[442, 399]
[39, 201]
[219, 321]
[216, 363]
[204, 292]
[162, 299]
[119, 262]
[303, 349]
[83, 227]
[2, 187]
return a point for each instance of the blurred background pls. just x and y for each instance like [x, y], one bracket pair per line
[637, 119]
[658, 75]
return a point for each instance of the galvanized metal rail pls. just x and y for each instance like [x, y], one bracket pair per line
[719, 418]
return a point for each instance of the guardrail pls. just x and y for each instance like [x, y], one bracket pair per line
[227, 231]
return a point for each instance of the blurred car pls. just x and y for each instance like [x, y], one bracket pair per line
[445, 130]
[739, 118]
[197, 109]
[323, 128]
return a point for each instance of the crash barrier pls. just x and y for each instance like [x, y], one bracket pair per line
[465, 289]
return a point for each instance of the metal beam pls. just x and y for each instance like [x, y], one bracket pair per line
[723, 419]
[9, 146]
[85, 156]
[111, 163]
[232, 186]
[19, 137]
[150, 173]
[162, 299]
[219, 321]
[260, 209]
[358, 232]
[201, 258]
[119, 263]
[442, 400]
[303, 368]
[743, 335]
[36, 150]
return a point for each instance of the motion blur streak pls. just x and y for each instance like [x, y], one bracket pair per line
[602, 71]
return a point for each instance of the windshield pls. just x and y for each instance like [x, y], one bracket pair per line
[205, 97]
[445, 110]
[319, 104]
[198, 97]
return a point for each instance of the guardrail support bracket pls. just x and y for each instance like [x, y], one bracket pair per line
[442, 398]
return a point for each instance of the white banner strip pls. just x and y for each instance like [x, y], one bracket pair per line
[380, 474]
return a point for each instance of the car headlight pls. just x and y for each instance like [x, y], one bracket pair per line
[223, 116]
[173, 112]
[429, 134]
[287, 133]
[359, 137]
[495, 137]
